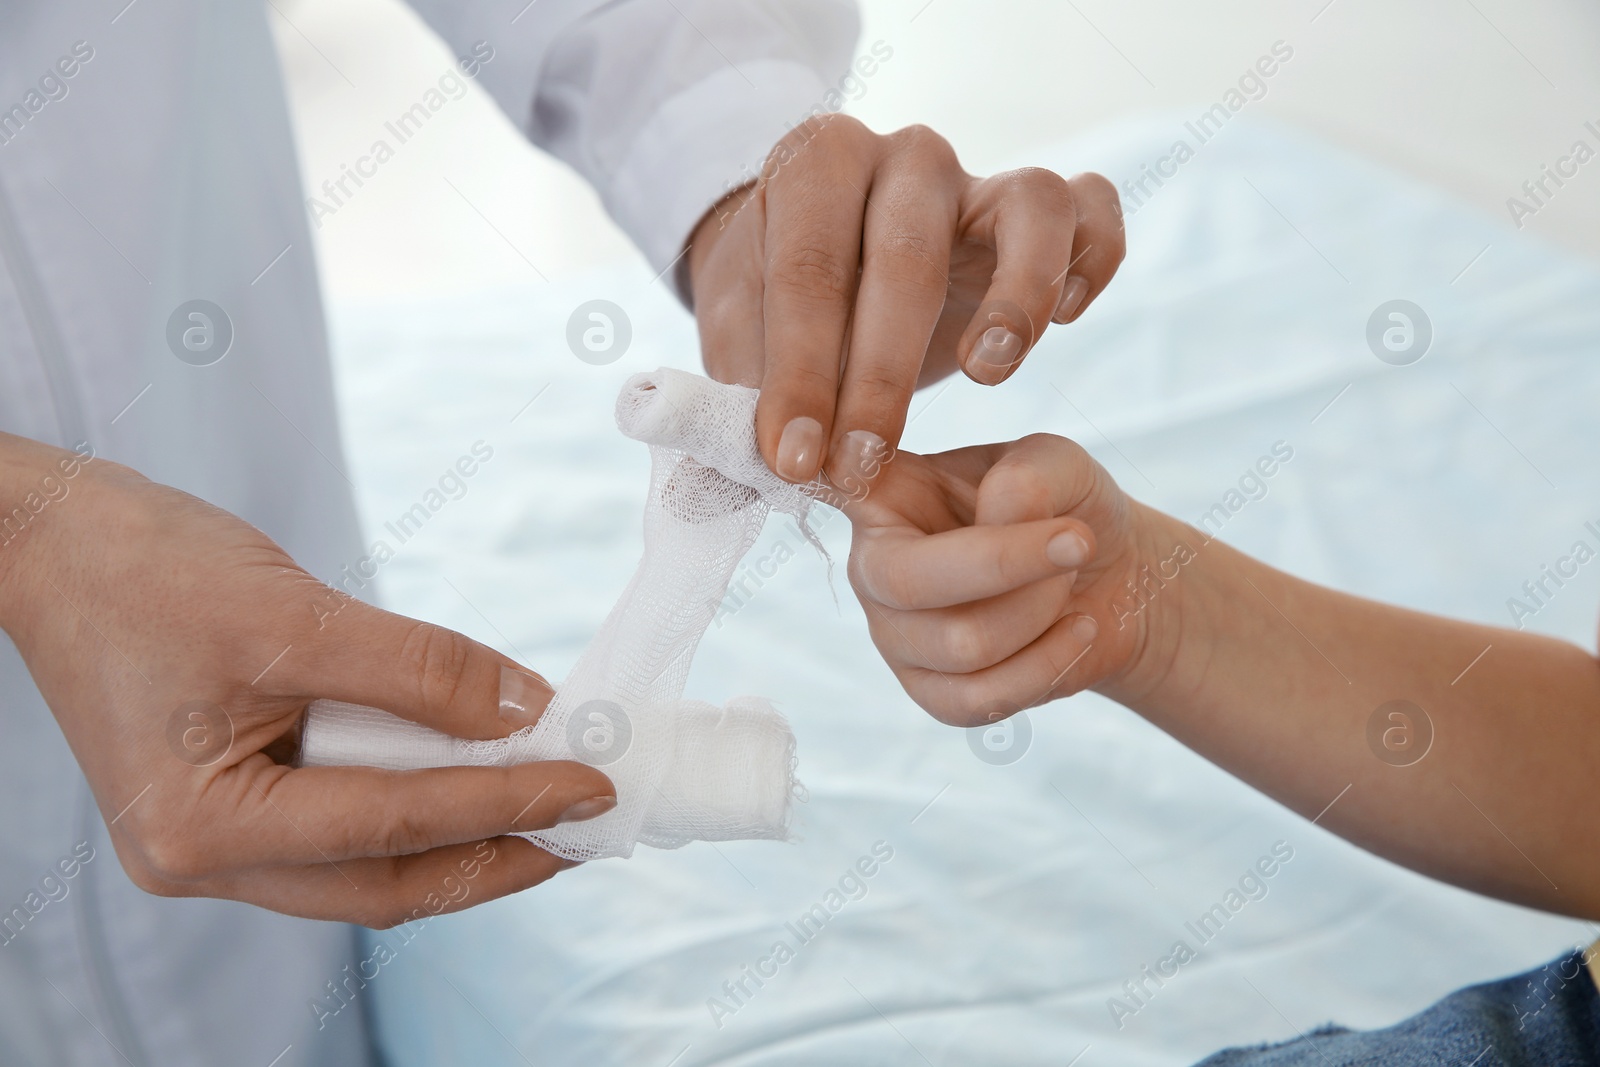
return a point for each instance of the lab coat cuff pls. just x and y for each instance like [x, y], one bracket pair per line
[702, 144]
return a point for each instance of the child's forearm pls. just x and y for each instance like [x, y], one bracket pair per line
[1278, 681]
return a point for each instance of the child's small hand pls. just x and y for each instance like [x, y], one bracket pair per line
[983, 604]
[997, 577]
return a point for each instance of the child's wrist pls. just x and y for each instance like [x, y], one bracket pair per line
[1172, 581]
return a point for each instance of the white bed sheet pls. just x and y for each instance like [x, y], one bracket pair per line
[1020, 898]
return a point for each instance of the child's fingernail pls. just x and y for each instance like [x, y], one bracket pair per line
[523, 697]
[592, 808]
[1084, 628]
[857, 460]
[799, 449]
[1072, 295]
[997, 352]
[1067, 549]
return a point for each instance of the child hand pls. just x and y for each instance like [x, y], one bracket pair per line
[999, 577]
[983, 604]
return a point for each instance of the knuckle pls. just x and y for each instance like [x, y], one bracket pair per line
[812, 271]
[932, 156]
[828, 134]
[888, 382]
[789, 145]
[886, 582]
[904, 251]
[835, 130]
[921, 140]
[142, 875]
[399, 833]
[170, 858]
[1025, 485]
[1096, 183]
[438, 659]
[1044, 184]
[963, 645]
[160, 840]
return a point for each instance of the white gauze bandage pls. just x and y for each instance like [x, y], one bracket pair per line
[684, 770]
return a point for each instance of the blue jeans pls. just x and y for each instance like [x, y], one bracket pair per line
[1548, 1017]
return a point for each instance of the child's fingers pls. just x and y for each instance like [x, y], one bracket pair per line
[1062, 660]
[903, 568]
[970, 637]
[1035, 477]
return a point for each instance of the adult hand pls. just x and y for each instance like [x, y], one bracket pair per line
[998, 577]
[179, 647]
[859, 266]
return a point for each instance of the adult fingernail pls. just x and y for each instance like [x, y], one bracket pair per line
[858, 459]
[592, 808]
[523, 697]
[1072, 295]
[800, 449]
[1084, 628]
[998, 351]
[1067, 549]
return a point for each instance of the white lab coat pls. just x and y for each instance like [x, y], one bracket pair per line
[166, 173]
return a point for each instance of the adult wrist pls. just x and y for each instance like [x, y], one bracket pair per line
[36, 483]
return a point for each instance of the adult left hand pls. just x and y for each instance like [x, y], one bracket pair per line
[859, 266]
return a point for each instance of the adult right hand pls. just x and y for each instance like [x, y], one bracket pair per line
[178, 647]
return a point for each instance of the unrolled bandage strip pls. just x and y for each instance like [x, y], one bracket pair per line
[684, 770]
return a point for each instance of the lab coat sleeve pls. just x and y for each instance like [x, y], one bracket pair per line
[664, 106]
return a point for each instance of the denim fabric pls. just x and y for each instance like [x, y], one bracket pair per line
[1548, 1017]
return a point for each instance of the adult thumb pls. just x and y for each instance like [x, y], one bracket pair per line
[418, 671]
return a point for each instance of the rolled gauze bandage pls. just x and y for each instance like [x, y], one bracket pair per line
[684, 770]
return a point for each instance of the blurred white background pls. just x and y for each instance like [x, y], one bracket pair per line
[1473, 96]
